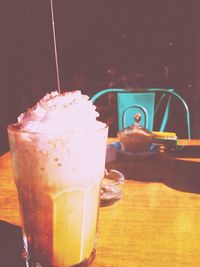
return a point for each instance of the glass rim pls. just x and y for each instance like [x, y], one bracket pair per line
[14, 127]
[117, 181]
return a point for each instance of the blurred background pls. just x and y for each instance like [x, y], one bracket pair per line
[146, 43]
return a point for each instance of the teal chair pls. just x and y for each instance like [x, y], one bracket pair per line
[148, 102]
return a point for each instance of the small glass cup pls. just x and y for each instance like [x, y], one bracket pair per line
[111, 188]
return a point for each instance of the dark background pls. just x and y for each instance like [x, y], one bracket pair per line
[136, 36]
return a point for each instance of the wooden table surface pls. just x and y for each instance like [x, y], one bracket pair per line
[157, 223]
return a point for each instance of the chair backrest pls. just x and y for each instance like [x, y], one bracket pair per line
[145, 101]
[131, 103]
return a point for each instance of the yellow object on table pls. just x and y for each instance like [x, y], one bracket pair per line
[167, 140]
[165, 135]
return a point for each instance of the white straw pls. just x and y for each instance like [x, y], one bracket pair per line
[55, 47]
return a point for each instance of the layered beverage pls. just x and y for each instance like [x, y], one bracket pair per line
[58, 152]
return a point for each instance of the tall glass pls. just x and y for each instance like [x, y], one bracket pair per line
[58, 177]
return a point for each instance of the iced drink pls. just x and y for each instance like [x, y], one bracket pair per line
[58, 153]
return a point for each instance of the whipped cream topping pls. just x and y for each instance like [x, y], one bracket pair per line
[58, 112]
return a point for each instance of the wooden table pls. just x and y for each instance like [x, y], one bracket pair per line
[157, 223]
